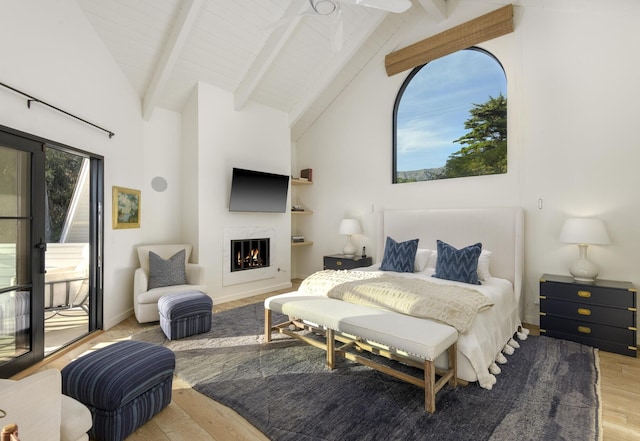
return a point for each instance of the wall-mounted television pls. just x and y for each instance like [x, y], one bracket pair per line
[257, 191]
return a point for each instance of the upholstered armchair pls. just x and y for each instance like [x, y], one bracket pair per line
[36, 404]
[163, 270]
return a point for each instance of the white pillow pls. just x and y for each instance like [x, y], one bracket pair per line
[422, 257]
[483, 265]
[433, 258]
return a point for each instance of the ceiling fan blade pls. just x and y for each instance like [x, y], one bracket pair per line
[289, 16]
[397, 6]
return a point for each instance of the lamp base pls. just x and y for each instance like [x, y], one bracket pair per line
[349, 250]
[583, 270]
[582, 279]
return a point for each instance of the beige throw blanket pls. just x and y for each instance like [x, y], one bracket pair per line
[451, 304]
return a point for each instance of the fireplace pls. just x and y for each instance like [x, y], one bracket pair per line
[249, 267]
[249, 254]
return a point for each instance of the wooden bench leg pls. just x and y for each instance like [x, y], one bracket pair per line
[453, 364]
[267, 325]
[449, 376]
[331, 348]
[429, 386]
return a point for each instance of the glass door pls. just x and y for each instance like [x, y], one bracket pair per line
[67, 225]
[50, 247]
[21, 253]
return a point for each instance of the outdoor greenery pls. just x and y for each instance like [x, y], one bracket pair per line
[485, 145]
[61, 174]
[484, 150]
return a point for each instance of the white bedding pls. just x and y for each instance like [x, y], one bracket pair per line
[491, 330]
[453, 304]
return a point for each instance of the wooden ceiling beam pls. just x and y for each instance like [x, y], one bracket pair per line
[184, 23]
[486, 27]
[269, 52]
[318, 85]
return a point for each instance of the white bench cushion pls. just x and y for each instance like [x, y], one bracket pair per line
[424, 338]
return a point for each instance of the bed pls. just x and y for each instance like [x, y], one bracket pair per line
[490, 335]
[501, 231]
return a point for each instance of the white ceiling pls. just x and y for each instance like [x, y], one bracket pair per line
[165, 47]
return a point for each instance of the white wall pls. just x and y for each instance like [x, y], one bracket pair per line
[50, 51]
[255, 138]
[161, 212]
[573, 94]
[190, 190]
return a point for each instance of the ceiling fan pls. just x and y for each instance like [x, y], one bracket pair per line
[332, 8]
[327, 7]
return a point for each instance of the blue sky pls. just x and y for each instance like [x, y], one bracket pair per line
[436, 103]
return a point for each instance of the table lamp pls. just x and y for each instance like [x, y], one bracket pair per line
[349, 227]
[584, 232]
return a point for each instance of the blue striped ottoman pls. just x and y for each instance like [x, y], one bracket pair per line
[185, 313]
[124, 385]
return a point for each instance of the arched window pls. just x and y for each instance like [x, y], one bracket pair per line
[450, 119]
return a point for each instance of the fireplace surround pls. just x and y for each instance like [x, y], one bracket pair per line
[248, 254]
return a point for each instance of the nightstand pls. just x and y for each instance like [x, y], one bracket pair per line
[342, 262]
[600, 314]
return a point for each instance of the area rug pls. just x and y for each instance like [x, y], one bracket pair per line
[548, 390]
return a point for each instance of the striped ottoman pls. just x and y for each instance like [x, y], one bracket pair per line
[124, 385]
[185, 313]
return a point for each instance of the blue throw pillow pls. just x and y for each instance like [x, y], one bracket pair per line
[458, 265]
[399, 257]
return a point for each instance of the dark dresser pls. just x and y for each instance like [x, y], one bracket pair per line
[342, 262]
[602, 314]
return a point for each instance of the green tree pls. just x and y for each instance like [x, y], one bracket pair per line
[61, 176]
[484, 150]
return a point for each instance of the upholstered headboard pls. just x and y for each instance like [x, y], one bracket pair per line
[500, 230]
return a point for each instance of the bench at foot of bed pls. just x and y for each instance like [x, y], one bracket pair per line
[359, 327]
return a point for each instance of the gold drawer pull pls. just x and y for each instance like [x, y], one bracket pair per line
[584, 294]
[339, 263]
[584, 329]
[584, 311]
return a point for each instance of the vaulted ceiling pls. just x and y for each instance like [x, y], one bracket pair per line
[260, 50]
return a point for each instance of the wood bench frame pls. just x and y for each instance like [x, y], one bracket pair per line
[351, 344]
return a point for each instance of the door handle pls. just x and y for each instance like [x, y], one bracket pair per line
[42, 246]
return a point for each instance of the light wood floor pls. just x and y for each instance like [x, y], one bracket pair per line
[192, 416]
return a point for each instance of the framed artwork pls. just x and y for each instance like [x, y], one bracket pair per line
[126, 208]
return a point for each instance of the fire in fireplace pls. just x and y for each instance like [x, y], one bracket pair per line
[247, 254]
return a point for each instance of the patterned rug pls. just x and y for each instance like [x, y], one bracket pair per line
[548, 390]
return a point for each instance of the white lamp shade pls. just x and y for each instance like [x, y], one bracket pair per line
[349, 227]
[584, 230]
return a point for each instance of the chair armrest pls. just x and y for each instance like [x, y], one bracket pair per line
[140, 282]
[34, 403]
[195, 274]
